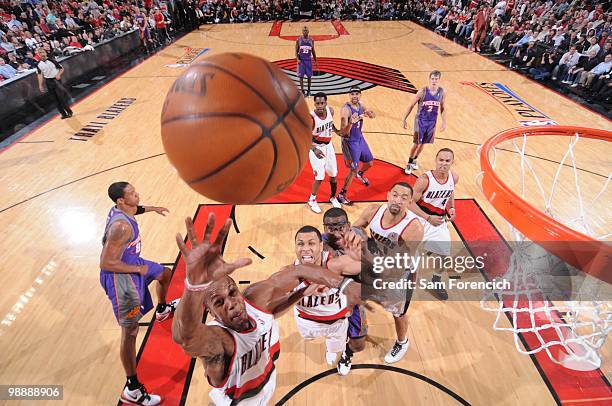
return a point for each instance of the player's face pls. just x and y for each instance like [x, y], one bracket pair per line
[355, 96]
[308, 248]
[305, 31]
[398, 199]
[434, 80]
[130, 196]
[226, 303]
[444, 160]
[320, 104]
[336, 227]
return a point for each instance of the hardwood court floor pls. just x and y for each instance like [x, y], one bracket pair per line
[57, 325]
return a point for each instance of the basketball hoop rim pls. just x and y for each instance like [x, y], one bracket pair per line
[592, 256]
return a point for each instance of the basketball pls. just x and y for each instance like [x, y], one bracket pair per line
[236, 128]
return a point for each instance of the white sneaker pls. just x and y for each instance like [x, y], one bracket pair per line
[330, 357]
[170, 308]
[397, 352]
[415, 165]
[314, 206]
[335, 202]
[139, 396]
[408, 169]
[344, 365]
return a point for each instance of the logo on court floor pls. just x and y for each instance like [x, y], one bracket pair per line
[337, 75]
[277, 27]
[190, 55]
[523, 112]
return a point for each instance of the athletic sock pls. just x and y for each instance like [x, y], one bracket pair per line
[343, 191]
[334, 188]
[132, 382]
[348, 351]
[411, 160]
[403, 342]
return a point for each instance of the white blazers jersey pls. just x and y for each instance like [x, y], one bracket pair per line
[251, 370]
[389, 237]
[323, 128]
[327, 307]
[435, 197]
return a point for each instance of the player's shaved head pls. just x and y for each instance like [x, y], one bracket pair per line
[225, 302]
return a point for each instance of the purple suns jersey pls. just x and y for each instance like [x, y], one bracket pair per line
[305, 51]
[429, 105]
[131, 251]
[140, 20]
[355, 133]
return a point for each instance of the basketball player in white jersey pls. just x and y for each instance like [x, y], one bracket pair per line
[434, 203]
[324, 313]
[239, 346]
[395, 228]
[322, 155]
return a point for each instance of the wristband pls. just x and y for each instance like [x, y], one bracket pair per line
[345, 282]
[196, 288]
[140, 210]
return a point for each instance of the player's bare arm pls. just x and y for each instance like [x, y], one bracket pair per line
[273, 294]
[450, 208]
[159, 210]
[314, 54]
[364, 219]
[417, 192]
[345, 121]
[443, 112]
[118, 236]
[413, 103]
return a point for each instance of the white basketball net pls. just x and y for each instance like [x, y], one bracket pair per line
[570, 331]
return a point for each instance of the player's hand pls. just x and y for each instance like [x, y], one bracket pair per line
[352, 245]
[160, 210]
[435, 220]
[353, 294]
[203, 260]
[405, 124]
[318, 153]
[452, 215]
[442, 126]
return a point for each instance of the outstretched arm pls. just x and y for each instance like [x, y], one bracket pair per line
[159, 210]
[414, 101]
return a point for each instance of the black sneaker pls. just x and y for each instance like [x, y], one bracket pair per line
[439, 292]
[344, 365]
[344, 200]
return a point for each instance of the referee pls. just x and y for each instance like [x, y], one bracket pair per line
[51, 72]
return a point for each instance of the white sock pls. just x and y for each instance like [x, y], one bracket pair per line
[404, 341]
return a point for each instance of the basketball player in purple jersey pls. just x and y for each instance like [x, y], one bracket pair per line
[125, 277]
[430, 100]
[305, 54]
[354, 146]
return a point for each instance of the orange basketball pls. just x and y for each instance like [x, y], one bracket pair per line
[236, 128]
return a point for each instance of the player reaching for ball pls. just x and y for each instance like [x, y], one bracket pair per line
[433, 202]
[324, 313]
[322, 155]
[430, 100]
[305, 54]
[354, 146]
[239, 346]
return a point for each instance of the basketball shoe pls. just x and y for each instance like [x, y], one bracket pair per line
[344, 365]
[168, 310]
[335, 202]
[397, 352]
[344, 200]
[314, 206]
[363, 179]
[139, 396]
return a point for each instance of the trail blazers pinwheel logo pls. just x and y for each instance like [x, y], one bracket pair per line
[336, 76]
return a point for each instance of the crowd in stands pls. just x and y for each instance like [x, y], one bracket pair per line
[564, 41]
